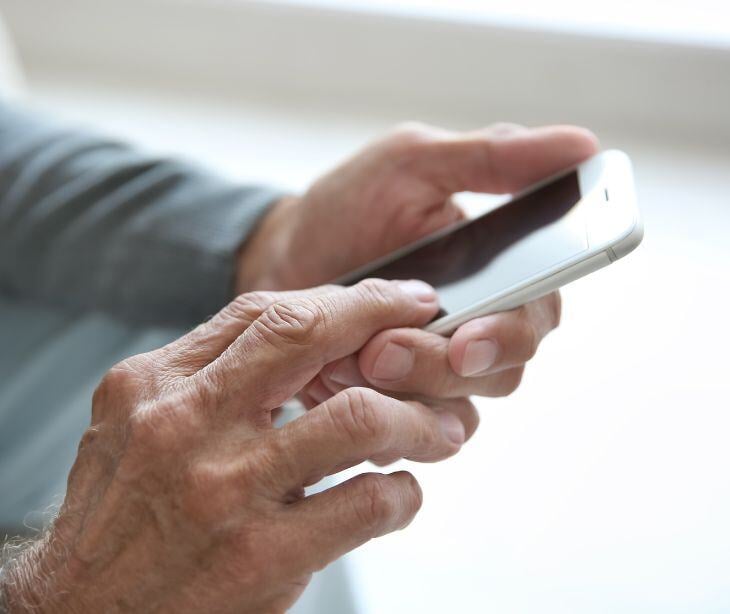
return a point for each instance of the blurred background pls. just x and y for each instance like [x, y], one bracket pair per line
[603, 483]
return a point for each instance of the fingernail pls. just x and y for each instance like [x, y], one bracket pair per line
[347, 373]
[394, 362]
[452, 427]
[418, 289]
[479, 355]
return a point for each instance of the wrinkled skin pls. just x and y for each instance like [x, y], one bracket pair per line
[395, 191]
[184, 498]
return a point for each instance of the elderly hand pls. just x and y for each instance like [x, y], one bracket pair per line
[184, 498]
[393, 192]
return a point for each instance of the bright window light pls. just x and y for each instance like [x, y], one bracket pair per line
[703, 22]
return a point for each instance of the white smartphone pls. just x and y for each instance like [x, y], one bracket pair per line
[556, 231]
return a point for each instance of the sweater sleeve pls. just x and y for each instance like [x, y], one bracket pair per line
[87, 223]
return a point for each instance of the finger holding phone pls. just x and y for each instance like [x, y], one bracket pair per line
[183, 496]
[183, 493]
[498, 276]
[397, 191]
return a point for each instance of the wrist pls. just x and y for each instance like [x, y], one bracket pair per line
[35, 577]
[22, 585]
[262, 261]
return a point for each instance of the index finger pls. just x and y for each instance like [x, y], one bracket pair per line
[503, 158]
[292, 340]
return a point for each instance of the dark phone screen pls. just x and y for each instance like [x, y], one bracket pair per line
[499, 249]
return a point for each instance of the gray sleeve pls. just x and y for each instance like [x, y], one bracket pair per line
[87, 223]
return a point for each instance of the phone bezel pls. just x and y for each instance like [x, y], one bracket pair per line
[609, 223]
[613, 229]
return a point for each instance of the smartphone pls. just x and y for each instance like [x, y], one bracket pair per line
[555, 232]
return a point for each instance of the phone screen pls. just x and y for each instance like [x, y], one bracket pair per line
[497, 250]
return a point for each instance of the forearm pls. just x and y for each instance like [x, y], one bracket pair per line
[39, 573]
[21, 584]
[87, 223]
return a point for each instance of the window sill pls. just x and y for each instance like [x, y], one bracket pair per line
[367, 59]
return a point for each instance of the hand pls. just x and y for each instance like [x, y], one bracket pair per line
[484, 357]
[183, 497]
[393, 192]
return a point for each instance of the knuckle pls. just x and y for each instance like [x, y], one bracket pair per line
[117, 381]
[377, 292]
[119, 388]
[247, 307]
[374, 507]
[359, 415]
[294, 322]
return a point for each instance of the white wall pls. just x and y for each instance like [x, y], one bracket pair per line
[360, 60]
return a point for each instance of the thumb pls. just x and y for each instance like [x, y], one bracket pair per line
[498, 159]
